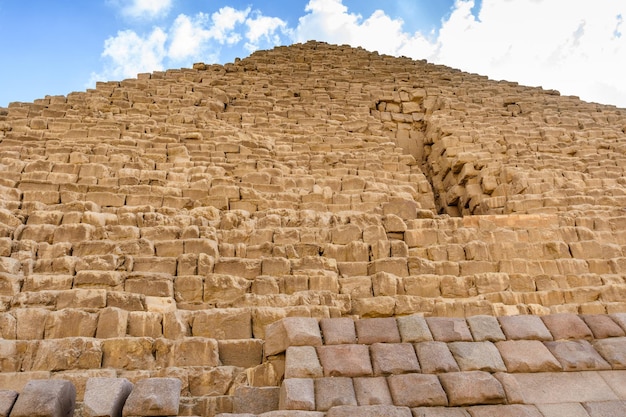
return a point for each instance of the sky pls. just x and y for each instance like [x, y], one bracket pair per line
[54, 47]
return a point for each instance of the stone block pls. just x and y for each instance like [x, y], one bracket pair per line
[562, 410]
[524, 328]
[605, 408]
[70, 323]
[377, 330]
[435, 357]
[613, 350]
[232, 323]
[477, 356]
[332, 392]
[439, 412]
[291, 331]
[145, 324]
[245, 353]
[153, 397]
[54, 398]
[372, 391]
[511, 387]
[369, 411]
[566, 326]
[446, 329]
[471, 388]
[297, 394]
[413, 328]
[527, 356]
[485, 328]
[514, 410]
[338, 330]
[105, 396]
[189, 351]
[244, 268]
[82, 353]
[616, 380]
[220, 288]
[112, 322]
[128, 353]
[416, 390]
[7, 400]
[302, 362]
[393, 358]
[395, 266]
[602, 326]
[345, 360]
[577, 355]
[565, 387]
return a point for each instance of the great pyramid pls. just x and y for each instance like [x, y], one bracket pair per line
[314, 230]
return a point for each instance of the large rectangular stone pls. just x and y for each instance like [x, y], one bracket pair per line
[564, 387]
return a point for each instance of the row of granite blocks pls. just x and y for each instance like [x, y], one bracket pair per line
[104, 397]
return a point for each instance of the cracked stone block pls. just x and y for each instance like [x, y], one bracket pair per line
[39, 398]
[105, 396]
[153, 397]
[255, 400]
[7, 399]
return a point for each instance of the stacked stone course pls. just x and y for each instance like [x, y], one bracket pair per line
[155, 227]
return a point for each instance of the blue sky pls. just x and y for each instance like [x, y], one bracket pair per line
[56, 47]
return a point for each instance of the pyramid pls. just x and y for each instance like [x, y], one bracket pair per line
[315, 230]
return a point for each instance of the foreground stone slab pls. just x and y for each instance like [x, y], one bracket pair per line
[527, 356]
[338, 330]
[485, 328]
[369, 411]
[567, 326]
[377, 330]
[435, 357]
[291, 331]
[605, 408]
[577, 355]
[153, 397]
[393, 358]
[415, 390]
[565, 387]
[345, 360]
[302, 362]
[297, 394]
[105, 396]
[470, 388]
[477, 356]
[414, 329]
[46, 398]
[7, 399]
[256, 400]
[446, 329]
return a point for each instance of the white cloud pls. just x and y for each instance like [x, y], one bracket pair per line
[143, 9]
[264, 29]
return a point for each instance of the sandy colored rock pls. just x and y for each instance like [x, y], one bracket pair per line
[291, 331]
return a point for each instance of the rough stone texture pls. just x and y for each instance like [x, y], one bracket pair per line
[7, 399]
[469, 388]
[485, 328]
[605, 408]
[46, 398]
[613, 351]
[439, 412]
[435, 357]
[562, 410]
[577, 355]
[414, 328]
[338, 330]
[565, 387]
[331, 392]
[377, 330]
[393, 358]
[372, 391]
[524, 327]
[369, 411]
[345, 360]
[415, 390]
[105, 396]
[449, 329]
[527, 356]
[153, 397]
[302, 362]
[292, 331]
[477, 356]
[297, 394]
[255, 400]
[602, 326]
[504, 410]
[566, 326]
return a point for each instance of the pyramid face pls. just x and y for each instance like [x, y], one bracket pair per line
[316, 229]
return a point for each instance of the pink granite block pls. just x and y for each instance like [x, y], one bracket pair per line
[514, 410]
[331, 392]
[613, 351]
[377, 330]
[605, 408]
[416, 390]
[603, 326]
[345, 360]
[527, 356]
[616, 380]
[435, 357]
[511, 387]
[619, 318]
[297, 394]
[524, 328]
[577, 355]
[339, 330]
[302, 362]
[414, 328]
[393, 358]
[477, 356]
[471, 388]
[368, 411]
[372, 391]
[439, 412]
[562, 410]
[291, 331]
[446, 329]
[565, 326]
[564, 387]
[485, 328]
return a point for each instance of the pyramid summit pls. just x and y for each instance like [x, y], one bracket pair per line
[315, 230]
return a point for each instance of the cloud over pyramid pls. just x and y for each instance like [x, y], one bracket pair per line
[315, 230]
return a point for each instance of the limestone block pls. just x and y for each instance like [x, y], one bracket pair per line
[153, 396]
[8, 326]
[338, 330]
[346, 233]
[70, 323]
[415, 390]
[82, 353]
[422, 285]
[10, 355]
[99, 279]
[605, 408]
[413, 328]
[128, 353]
[297, 394]
[7, 399]
[374, 307]
[176, 324]
[602, 326]
[112, 323]
[524, 327]
[393, 358]
[255, 400]
[189, 351]
[212, 381]
[224, 288]
[356, 286]
[10, 284]
[612, 350]
[244, 353]
[232, 323]
[291, 331]
[470, 388]
[395, 266]
[245, 268]
[145, 324]
[156, 284]
[374, 330]
[527, 356]
[566, 326]
[302, 362]
[323, 281]
[384, 283]
[345, 360]
[155, 265]
[76, 232]
[275, 266]
[446, 329]
[485, 328]
[577, 355]
[477, 356]
[105, 396]
[403, 208]
[201, 245]
[332, 392]
[55, 398]
[435, 357]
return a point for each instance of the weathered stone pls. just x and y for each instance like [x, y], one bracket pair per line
[189, 351]
[345, 360]
[297, 394]
[602, 326]
[527, 356]
[449, 329]
[369, 411]
[128, 353]
[562, 410]
[485, 328]
[338, 330]
[577, 355]
[415, 390]
[291, 331]
[470, 388]
[332, 392]
[477, 356]
[439, 412]
[372, 391]
[393, 358]
[45, 398]
[302, 362]
[435, 357]
[245, 353]
[414, 329]
[524, 328]
[515, 410]
[566, 326]
[153, 396]
[105, 396]
[565, 387]
[220, 324]
[7, 399]
[255, 400]
[376, 330]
